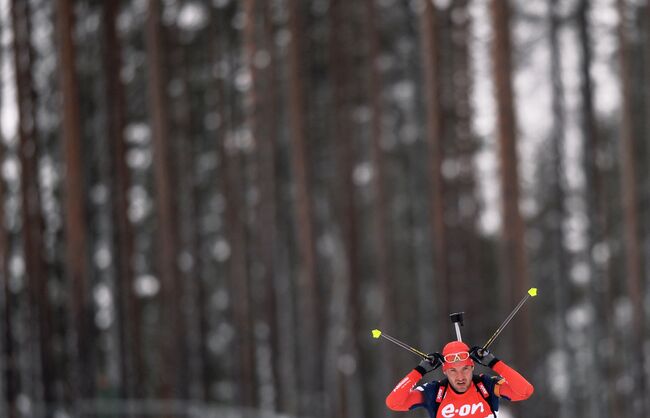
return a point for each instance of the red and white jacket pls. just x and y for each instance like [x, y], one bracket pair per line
[409, 395]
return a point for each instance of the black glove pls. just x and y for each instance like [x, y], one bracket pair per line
[430, 364]
[482, 356]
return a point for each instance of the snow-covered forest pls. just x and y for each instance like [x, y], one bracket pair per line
[207, 205]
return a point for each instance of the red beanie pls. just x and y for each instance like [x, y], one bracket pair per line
[456, 347]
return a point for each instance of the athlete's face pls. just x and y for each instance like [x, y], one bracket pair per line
[460, 377]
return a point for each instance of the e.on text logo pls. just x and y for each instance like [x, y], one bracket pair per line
[450, 410]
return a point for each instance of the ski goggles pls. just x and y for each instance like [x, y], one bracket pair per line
[454, 357]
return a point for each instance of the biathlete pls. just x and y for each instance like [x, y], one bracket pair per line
[461, 393]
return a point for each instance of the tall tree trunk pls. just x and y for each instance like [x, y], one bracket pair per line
[184, 149]
[239, 274]
[181, 148]
[632, 245]
[233, 185]
[199, 297]
[383, 266]
[171, 290]
[309, 308]
[348, 282]
[238, 269]
[32, 222]
[430, 51]
[9, 362]
[280, 299]
[514, 263]
[260, 119]
[470, 282]
[601, 400]
[558, 212]
[128, 305]
[76, 220]
[8, 356]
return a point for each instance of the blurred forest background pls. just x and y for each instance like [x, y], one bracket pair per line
[208, 205]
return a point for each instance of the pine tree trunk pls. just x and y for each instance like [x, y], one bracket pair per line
[280, 300]
[381, 221]
[601, 400]
[236, 229]
[468, 287]
[172, 336]
[347, 284]
[632, 244]
[182, 149]
[558, 212]
[309, 308]
[430, 51]
[8, 356]
[128, 305]
[75, 214]
[514, 263]
[261, 120]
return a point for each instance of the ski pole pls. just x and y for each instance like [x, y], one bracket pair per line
[532, 292]
[377, 333]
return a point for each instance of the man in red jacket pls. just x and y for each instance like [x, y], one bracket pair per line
[461, 393]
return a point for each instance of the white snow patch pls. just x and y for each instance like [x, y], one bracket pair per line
[558, 365]
[146, 285]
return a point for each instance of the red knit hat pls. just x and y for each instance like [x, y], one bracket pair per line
[460, 348]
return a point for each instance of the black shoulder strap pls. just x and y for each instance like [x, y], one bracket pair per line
[442, 389]
[485, 387]
[434, 393]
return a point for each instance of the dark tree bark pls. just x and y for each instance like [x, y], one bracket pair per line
[238, 271]
[279, 302]
[600, 291]
[261, 118]
[181, 145]
[75, 217]
[188, 198]
[514, 263]
[10, 383]
[172, 337]
[558, 212]
[309, 307]
[32, 221]
[129, 310]
[348, 284]
[631, 239]
[430, 51]
[470, 280]
[233, 185]
[199, 297]
[252, 113]
[381, 220]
